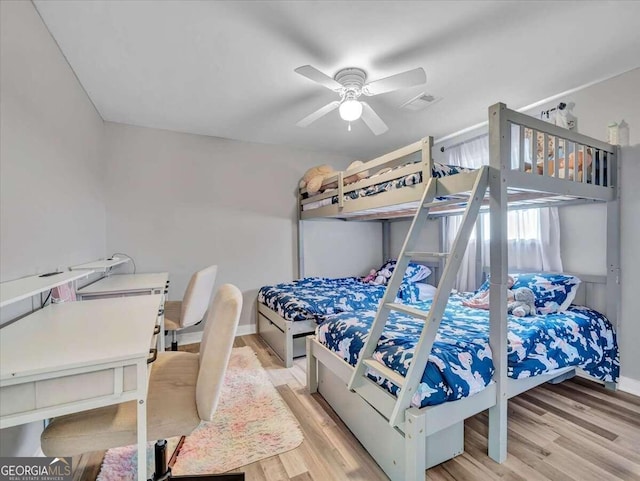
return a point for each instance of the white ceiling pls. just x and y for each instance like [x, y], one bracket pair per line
[226, 68]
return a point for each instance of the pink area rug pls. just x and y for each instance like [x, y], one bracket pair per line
[252, 422]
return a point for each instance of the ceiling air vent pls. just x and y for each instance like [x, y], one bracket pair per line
[420, 102]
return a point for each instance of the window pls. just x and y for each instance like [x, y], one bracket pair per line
[523, 225]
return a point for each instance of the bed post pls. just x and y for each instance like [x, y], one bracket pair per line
[300, 239]
[613, 249]
[427, 159]
[386, 240]
[442, 247]
[479, 244]
[312, 367]
[415, 442]
[499, 149]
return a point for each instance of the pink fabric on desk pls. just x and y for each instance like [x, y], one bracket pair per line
[63, 293]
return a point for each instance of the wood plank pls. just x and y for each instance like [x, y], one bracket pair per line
[595, 387]
[596, 390]
[568, 415]
[323, 452]
[617, 466]
[625, 433]
[567, 429]
[293, 463]
[274, 469]
[303, 477]
[476, 447]
[623, 414]
[239, 342]
[439, 473]
[577, 467]
[254, 472]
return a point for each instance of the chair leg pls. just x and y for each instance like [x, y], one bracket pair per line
[196, 477]
[161, 472]
[174, 340]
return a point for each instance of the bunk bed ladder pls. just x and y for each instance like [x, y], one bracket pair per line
[368, 389]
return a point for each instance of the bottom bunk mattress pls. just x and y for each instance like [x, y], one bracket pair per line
[317, 297]
[460, 363]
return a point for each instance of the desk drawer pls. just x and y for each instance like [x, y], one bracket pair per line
[91, 297]
[21, 398]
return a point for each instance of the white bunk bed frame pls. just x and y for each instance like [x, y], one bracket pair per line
[405, 440]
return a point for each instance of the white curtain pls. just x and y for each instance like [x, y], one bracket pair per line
[533, 234]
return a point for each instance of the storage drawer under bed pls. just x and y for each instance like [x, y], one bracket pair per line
[277, 338]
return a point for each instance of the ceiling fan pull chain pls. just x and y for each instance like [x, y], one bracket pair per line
[349, 127]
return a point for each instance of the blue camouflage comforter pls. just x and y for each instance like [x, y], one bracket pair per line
[438, 170]
[460, 362]
[317, 297]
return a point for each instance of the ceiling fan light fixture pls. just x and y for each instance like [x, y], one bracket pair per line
[350, 110]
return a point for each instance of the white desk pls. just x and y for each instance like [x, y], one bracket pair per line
[73, 356]
[14, 291]
[124, 285]
[102, 265]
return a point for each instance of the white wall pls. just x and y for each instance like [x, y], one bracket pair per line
[51, 204]
[51, 196]
[178, 202]
[340, 249]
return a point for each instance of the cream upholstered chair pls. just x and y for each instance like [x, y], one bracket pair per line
[184, 388]
[193, 306]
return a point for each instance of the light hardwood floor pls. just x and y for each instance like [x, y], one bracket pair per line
[575, 431]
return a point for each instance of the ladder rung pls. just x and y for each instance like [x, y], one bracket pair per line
[426, 255]
[386, 372]
[412, 311]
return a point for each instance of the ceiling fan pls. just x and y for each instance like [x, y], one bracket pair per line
[350, 84]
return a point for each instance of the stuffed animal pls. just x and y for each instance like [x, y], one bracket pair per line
[315, 176]
[358, 176]
[383, 276]
[523, 304]
[370, 277]
[551, 167]
[481, 299]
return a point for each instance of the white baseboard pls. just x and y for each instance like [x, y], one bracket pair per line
[246, 329]
[632, 386]
[195, 337]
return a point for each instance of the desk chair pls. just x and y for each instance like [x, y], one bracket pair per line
[184, 389]
[191, 310]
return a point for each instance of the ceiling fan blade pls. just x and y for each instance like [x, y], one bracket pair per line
[409, 78]
[321, 112]
[317, 76]
[373, 121]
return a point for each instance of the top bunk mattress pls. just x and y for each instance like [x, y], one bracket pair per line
[317, 297]
[460, 363]
[438, 170]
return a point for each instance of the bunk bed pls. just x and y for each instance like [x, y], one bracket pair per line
[377, 399]
[290, 311]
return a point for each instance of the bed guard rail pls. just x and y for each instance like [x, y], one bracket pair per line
[384, 168]
[544, 149]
